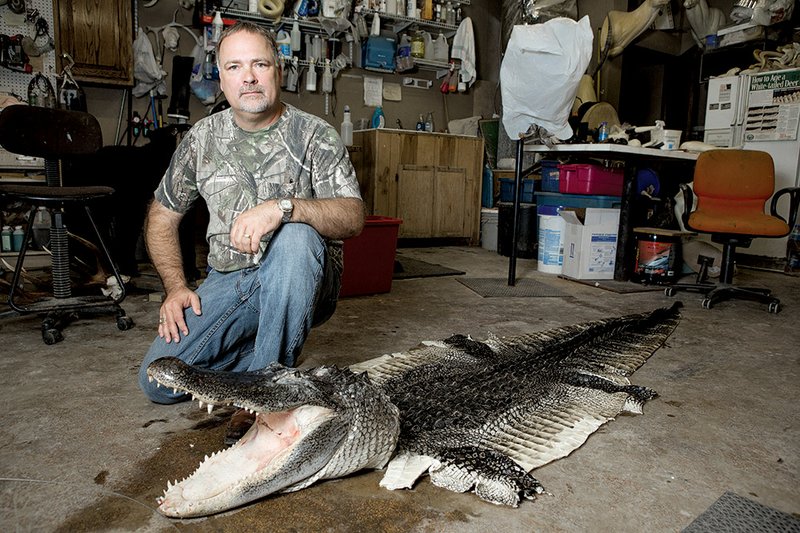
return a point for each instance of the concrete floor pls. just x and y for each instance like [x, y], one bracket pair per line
[82, 450]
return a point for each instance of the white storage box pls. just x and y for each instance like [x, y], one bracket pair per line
[590, 246]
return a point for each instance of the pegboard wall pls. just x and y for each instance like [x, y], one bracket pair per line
[13, 24]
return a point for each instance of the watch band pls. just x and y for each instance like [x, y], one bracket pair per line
[287, 207]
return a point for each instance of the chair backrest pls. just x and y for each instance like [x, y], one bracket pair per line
[49, 133]
[741, 179]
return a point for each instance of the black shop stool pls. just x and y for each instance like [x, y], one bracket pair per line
[58, 136]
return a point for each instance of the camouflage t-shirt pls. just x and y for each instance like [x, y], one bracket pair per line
[299, 156]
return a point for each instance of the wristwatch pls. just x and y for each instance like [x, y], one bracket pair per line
[286, 206]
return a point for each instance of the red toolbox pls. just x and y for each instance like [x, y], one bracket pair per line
[590, 179]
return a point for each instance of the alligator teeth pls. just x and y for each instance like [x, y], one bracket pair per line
[150, 379]
[175, 390]
[210, 407]
[200, 402]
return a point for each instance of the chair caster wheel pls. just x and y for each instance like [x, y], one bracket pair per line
[707, 303]
[669, 291]
[51, 336]
[124, 323]
[774, 307]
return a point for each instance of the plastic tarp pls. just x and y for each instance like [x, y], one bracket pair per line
[146, 70]
[540, 73]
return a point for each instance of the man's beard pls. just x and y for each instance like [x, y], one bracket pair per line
[253, 103]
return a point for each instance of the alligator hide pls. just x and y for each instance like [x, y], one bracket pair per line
[474, 415]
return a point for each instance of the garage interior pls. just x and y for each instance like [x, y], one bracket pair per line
[717, 450]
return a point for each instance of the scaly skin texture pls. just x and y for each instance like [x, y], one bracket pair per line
[475, 415]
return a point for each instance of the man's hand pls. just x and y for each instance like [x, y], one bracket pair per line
[333, 218]
[251, 225]
[172, 322]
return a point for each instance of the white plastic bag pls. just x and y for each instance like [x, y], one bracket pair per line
[146, 71]
[539, 77]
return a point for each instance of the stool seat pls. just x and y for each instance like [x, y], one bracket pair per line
[45, 193]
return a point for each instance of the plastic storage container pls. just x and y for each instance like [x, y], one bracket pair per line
[489, 219]
[507, 190]
[578, 200]
[590, 179]
[550, 257]
[550, 175]
[369, 257]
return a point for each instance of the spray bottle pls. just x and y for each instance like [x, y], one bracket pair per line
[311, 77]
[296, 37]
[216, 27]
[347, 127]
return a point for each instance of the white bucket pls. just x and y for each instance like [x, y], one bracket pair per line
[551, 240]
[489, 219]
[672, 140]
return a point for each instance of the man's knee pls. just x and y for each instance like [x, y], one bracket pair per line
[297, 236]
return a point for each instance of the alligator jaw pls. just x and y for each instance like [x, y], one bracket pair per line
[257, 462]
[310, 425]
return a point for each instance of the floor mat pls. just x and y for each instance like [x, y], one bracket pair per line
[734, 514]
[620, 287]
[496, 287]
[407, 268]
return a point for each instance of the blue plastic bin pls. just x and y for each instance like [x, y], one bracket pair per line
[507, 190]
[577, 200]
[550, 174]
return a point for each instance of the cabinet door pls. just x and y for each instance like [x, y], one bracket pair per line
[415, 193]
[98, 35]
[449, 202]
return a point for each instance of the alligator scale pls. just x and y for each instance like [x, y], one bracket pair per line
[473, 415]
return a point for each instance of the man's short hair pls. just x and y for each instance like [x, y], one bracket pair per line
[249, 27]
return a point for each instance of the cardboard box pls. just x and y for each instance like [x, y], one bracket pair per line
[590, 245]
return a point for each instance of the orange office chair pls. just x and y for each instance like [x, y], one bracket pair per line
[732, 187]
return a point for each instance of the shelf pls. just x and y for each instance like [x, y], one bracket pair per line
[400, 23]
[397, 23]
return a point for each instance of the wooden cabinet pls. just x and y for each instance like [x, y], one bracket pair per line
[431, 181]
[98, 35]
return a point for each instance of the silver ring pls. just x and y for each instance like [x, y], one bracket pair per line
[246, 236]
[162, 320]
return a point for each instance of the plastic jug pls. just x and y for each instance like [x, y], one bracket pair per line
[6, 240]
[440, 48]
[418, 45]
[284, 42]
[16, 238]
[41, 228]
[428, 45]
[378, 120]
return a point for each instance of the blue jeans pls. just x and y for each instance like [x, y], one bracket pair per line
[256, 316]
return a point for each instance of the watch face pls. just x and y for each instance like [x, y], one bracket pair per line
[285, 205]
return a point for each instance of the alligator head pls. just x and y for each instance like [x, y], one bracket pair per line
[310, 425]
